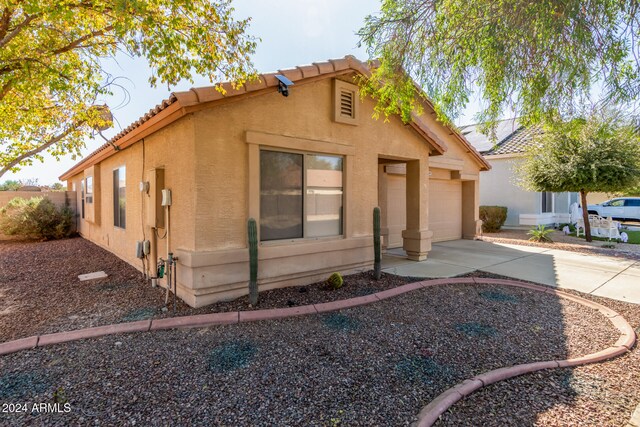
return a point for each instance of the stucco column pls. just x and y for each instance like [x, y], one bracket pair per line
[471, 224]
[383, 205]
[416, 239]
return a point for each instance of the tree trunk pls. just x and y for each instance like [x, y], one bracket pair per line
[585, 215]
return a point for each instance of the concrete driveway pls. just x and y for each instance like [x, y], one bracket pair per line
[616, 278]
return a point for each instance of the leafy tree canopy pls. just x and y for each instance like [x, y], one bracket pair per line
[51, 55]
[594, 153]
[599, 152]
[10, 185]
[536, 57]
[633, 191]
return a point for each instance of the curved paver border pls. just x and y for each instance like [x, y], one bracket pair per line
[430, 413]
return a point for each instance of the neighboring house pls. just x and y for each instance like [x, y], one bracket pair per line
[499, 186]
[309, 167]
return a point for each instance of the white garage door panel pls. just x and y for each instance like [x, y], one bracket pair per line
[397, 209]
[445, 210]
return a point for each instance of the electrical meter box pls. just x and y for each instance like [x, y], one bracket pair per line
[166, 197]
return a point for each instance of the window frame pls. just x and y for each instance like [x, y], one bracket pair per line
[543, 202]
[88, 190]
[304, 237]
[82, 185]
[117, 217]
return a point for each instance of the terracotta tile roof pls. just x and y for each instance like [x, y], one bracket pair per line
[179, 102]
[511, 138]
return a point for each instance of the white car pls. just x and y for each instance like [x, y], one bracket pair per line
[621, 208]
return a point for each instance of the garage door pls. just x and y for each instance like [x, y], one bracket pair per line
[445, 209]
[397, 209]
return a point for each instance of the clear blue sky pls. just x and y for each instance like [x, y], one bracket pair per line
[293, 32]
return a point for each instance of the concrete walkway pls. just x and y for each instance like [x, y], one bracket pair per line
[610, 277]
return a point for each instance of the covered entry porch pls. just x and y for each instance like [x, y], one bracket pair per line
[449, 212]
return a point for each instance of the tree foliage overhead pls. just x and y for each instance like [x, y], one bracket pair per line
[533, 56]
[52, 54]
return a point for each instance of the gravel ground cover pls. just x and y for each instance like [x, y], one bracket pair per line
[370, 365]
[40, 291]
[567, 243]
[600, 395]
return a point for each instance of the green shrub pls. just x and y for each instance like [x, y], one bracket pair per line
[540, 234]
[335, 281]
[493, 217]
[572, 228]
[36, 218]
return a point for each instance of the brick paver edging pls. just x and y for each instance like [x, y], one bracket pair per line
[430, 413]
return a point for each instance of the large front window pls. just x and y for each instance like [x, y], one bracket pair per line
[300, 195]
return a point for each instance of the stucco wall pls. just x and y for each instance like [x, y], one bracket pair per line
[211, 163]
[60, 198]
[498, 188]
[222, 156]
[228, 137]
[170, 148]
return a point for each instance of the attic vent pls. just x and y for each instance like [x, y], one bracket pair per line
[346, 104]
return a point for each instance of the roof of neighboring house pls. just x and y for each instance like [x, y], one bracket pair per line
[511, 137]
[180, 104]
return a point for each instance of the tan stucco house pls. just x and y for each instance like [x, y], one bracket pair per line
[309, 167]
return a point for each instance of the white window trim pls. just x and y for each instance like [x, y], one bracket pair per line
[553, 202]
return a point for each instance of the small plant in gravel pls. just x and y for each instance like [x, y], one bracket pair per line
[335, 281]
[424, 369]
[231, 356]
[540, 234]
[572, 227]
[59, 396]
[475, 329]
[340, 322]
[608, 246]
[22, 384]
[498, 296]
